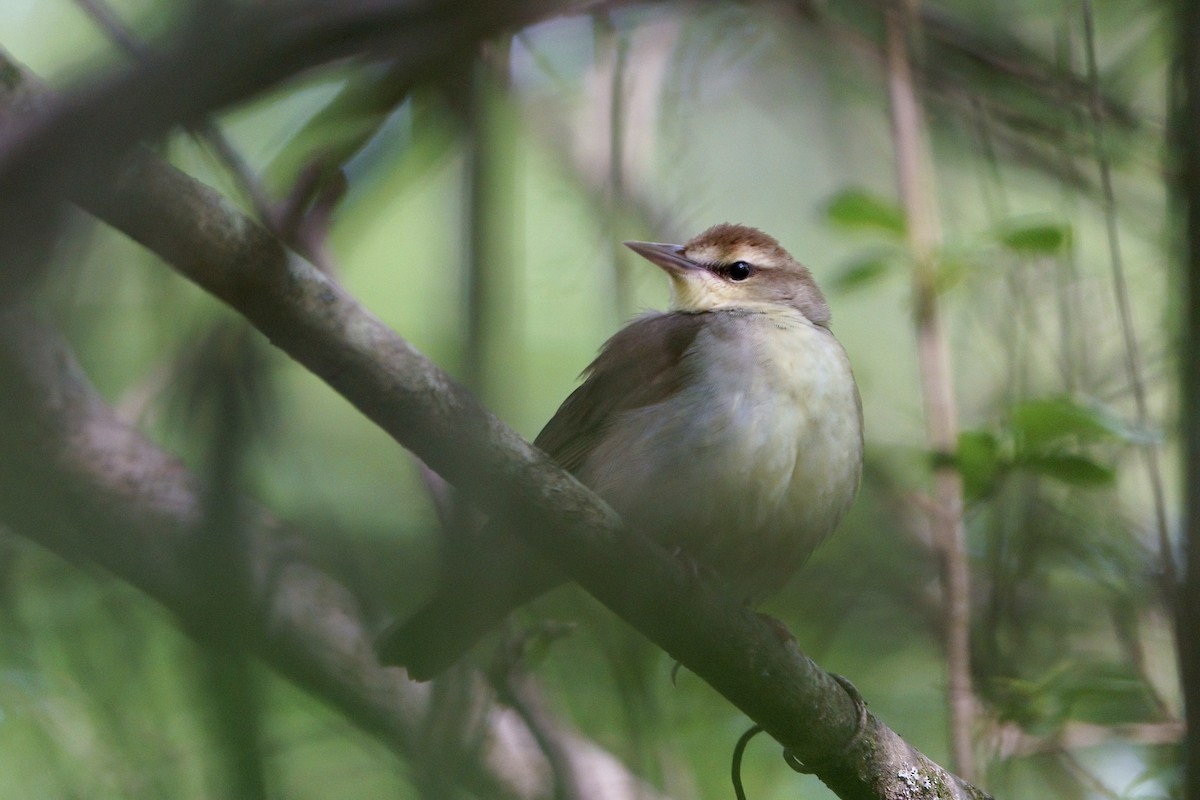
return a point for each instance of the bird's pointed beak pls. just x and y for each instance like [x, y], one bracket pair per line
[668, 256]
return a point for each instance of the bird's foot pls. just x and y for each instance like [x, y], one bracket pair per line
[860, 723]
[788, 756]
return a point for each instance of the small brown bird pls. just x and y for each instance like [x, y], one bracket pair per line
[729, 427]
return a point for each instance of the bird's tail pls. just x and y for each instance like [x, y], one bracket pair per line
[439, 634]
[472, 600]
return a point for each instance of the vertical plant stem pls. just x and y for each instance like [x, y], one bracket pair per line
[1076, 355]
[941, 414]
[611, 40]
[229, 399]
[477, 285]
[1186, 122]
[616, 170]
[1133, 359]
[489, 218]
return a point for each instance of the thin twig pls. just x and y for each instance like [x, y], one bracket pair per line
[1011, 740]
[206, 131]
[1076, 356]
[612, 41]
[638, 208]
[516, 688]
[941, 416]
[103, 15]
[1085, 777]
[1133, 359]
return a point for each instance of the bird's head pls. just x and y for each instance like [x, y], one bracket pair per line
[736, 267]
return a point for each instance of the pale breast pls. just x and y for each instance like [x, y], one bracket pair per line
[753, 462]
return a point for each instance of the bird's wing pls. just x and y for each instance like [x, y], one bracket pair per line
[643, 364]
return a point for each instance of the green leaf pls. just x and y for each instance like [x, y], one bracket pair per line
[1070, 469]
[1101, 693]
[979, 462]
[1036, 237]
[951, 270]
[1037, 705]
[861, 273]
[857, 209]
[1108, 694]
[1039, 423]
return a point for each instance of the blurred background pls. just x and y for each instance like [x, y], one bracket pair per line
[480, 215]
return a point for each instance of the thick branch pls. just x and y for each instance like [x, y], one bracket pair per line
[317, 323]
[312, 319]
[81, 482]
[214, 62]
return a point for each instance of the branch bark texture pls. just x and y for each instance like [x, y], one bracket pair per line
[311, 318]
[229, 55]
[81, 482]
[316, 322]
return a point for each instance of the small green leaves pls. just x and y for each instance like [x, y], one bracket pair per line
[1105, 694]
[1057, 438]
[858, 209]
[1100, 693]
[1036, 237]
[1039, 423]
[861, 273]
[979, 461]
[952, 269]
[1075, 470]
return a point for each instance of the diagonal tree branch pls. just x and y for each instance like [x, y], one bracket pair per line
[311, 318]
[214, 62]
[315, 321]
[81, 482]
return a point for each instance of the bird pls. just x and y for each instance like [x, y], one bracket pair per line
[728, 428]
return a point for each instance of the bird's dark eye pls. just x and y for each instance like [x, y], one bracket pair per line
[739, 271]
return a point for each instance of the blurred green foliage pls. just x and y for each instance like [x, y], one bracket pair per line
[751, 113]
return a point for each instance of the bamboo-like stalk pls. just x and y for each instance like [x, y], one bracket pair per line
[937, 386]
